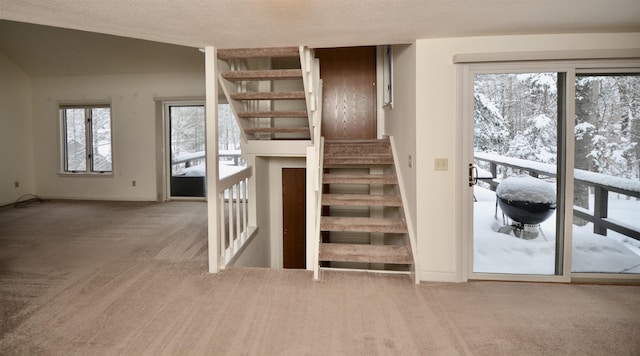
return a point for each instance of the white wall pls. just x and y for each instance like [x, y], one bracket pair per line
[258, 252]
[439, 194]
[133, 131]
[15, 132]
[400, 120]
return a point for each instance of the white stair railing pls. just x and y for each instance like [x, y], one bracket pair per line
[235, 231]
[406, 215]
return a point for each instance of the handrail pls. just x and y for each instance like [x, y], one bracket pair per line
[602, 184]
[229, 181]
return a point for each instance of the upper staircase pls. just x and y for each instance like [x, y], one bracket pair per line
[362, 223]
[266, 90]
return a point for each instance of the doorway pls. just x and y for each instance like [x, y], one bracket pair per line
[552, 136]
[187, 153]
[518, 120]
[349, 92]
[294, 218]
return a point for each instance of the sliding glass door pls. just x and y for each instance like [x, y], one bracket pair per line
[606, 195]
[555, 170]
[516, 126]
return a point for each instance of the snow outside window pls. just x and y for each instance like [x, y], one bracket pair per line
[86, 139]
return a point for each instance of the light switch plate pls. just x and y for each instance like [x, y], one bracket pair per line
[441, 164]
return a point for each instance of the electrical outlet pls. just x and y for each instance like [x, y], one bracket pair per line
[133, 183]
[410, 161]
[441, 164]
[16, 184]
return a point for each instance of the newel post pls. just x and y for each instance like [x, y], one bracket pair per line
[211, 114]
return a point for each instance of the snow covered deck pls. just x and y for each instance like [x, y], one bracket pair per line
[496, 252]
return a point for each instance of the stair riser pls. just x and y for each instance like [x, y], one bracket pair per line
[385, 229]
[365, 253]
[356, 150]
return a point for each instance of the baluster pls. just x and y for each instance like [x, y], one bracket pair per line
[232, 236]
[223, 237]
[601, 205]
[236, 197]
[245, 194]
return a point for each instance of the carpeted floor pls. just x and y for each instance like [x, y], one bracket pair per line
[86, 278]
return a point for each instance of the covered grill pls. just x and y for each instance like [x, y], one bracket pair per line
[527, 201]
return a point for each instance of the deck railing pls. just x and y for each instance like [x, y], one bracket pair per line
[600, 183]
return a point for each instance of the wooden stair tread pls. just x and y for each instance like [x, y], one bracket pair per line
[355, 141]
[329, 178]
[236, 53]
[273, 114]
[361, 200]
[277, 130]
[272, 74]
[331, 162]
[292, 95]
[359, 224]
[365, 253]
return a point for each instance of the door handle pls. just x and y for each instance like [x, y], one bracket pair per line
[473, 174]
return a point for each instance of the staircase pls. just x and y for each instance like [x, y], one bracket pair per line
[362, 222]
[265, 87]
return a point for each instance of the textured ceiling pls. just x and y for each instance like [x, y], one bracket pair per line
[109, 40]
[323, 23]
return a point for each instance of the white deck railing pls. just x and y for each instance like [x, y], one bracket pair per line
[233, 204]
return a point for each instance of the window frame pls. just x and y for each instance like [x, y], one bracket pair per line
[89, 144]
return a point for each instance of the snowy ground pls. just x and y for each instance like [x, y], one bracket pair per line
[496, 252]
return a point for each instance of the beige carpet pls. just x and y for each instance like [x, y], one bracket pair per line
[85, 278]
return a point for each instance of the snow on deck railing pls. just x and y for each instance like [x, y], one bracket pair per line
[601, 183]
[233, 199]
[615, 184]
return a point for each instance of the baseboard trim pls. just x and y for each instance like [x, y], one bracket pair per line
[430, 276]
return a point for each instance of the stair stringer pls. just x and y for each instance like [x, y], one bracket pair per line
[227, 88]
[415, 272]
[315, 161]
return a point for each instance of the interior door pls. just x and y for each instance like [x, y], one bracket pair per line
[349, 92]
[294, 218]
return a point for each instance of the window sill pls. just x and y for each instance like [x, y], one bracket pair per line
[86, 174]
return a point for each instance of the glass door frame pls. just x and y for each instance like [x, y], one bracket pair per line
[166, 114]
[563, 257]
[566, 160]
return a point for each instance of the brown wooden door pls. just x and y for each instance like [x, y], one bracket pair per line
[349, 92]
[294, 223]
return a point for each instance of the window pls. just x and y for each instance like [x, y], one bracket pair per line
[86, 138]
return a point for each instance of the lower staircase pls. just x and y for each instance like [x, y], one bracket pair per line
[362, 224]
